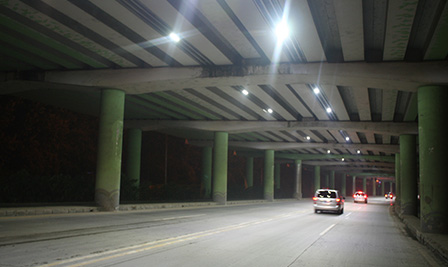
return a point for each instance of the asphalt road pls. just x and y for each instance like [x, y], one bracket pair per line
[274, 234]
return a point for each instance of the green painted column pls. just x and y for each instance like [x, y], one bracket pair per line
[277, 176]
[433, 146]
[397, 180]
[332, 184]
[364, 185]
[250, 172]
[382, 188]
[206, 178]
[110, 140]
[269, 175]
[354, 184]
[298, 180]
[316, 178]
[409, 181]
[220, 159]
[134, 155]
[344, 185]
[374, 186]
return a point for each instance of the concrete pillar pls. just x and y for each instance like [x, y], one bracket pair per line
[408, 166]
[220, 154]
[110, 140]
[374, 186]
[382, 188]
[354, 184]
[134, 155]
[344, 185]
[250, 172]
[206, 178]
[298, 180]
[397, 179]
[277, 176]
[316, 178]
[327, 181]
[432, 122]
[269, 175]
[364, 185]
[332, 183]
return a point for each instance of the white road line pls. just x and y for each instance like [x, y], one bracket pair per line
[348, 214]
[326, 230]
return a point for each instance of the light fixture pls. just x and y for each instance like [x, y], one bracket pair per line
[329, 110]
[308, 137]
[358, 151]
[270, 111]
[245, 92]
[282, 31]
[343, 159]
[316, 90]
[328, 151]
[174, 37]
[347, 138]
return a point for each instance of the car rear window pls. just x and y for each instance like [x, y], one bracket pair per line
[326, 194]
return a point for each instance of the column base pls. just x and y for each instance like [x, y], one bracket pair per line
[107, 201]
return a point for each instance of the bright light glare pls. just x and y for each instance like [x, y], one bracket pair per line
[174, 37]
[316, 91]
[282, 31]
[343, 159]
[270, 110]
[358, 151]
[308, 137]
[328, 151]
[245, 92]
[347, 139]
[329, 110]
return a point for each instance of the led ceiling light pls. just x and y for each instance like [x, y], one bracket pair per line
[328, 151]
[270, 110]
[308, 137]
[282, 30]
[343, 159]
[316, 91]
[358, 151]
[174, 37]
[245, 92]
[329, 110]
[347, 138]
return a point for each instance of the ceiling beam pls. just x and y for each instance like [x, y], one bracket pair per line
[406, 76]
[235, 127]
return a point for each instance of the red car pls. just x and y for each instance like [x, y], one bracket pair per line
[360, 196]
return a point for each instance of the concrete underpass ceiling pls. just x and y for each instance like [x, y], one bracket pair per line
[366, 57]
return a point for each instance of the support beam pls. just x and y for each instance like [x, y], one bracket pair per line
[207, 153]
[408, 166]
[433, 161]
[110, 140]
[269, 175]
[220, 168]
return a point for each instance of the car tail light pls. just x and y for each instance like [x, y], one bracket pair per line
[365, 196]
[338, 200]
[354, 195]
[385, 195]
[314, 198]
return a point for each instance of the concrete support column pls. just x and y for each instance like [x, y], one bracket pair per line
[364, 185]
[206, 178]
[397, 180]
[277, 176]
[374, 186]
[354, 183]
[344, 185]
[382, 188]
[269, 175]
[250, 172]
[332, 183]
[432, 122]
[298, 180]
[316, 178]
[327, 180]
[220, 154]
[110, 140]
[134, 155]
[408, 166]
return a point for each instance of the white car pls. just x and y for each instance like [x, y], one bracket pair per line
[328, 200]
[360, 196]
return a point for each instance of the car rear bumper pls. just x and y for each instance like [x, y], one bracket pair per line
[327, 207]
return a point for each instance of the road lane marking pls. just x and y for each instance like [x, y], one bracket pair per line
[348, 215]
[326, 230]
[102, 256]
